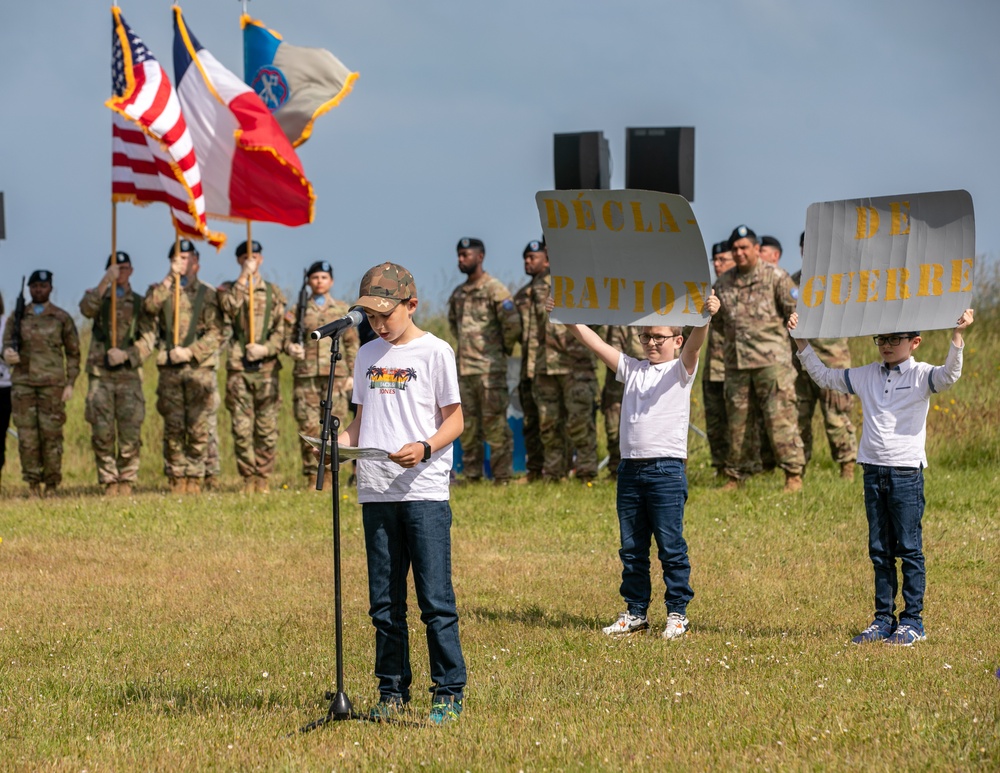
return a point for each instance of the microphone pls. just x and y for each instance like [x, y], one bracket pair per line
[338, 327]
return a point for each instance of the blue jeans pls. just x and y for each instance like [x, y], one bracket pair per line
[651, 497]
[894, 501]
[398, 534]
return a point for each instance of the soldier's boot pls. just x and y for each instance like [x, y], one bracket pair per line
[249, 485]
[178, 485]
[50, 489]
[111, 489]
[193, 485]
[847, 470]
[34, 491]
[262, 485]
[211, 483]
[732, 484]
[311, 480]
[125, 489]
[793, 483]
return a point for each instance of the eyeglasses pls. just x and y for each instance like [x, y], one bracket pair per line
[891, 340]
[645, 338]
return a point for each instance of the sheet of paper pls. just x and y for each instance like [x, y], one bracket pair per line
[348, 452]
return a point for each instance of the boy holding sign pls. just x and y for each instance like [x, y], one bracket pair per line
[652, 483]
[895, 395]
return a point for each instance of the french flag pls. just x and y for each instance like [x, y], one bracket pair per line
[249, 170]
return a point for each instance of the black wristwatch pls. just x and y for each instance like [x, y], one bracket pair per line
[427, 451]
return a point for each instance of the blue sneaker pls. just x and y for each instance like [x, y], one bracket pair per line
[907, 635]
[385, 711]
[444, 710]
[880, 630]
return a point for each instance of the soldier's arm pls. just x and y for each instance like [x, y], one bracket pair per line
[784, 300]
[453, 316]
[289, 337]
[145, 339]
[71, 345]
[509, 318]
[90, 304]
[211, 319]
[156, 296]
[276, 335]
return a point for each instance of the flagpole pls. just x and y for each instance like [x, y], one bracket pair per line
[114, 282]
[250, 329]
[177, 291]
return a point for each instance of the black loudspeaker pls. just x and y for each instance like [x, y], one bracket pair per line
[660, 160]
[582, 161]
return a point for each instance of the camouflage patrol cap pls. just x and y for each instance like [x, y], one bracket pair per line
[384, 287]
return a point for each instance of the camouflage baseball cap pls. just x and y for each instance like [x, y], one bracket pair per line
[384, 287]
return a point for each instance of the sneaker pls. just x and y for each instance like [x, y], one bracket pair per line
[879, 630]
[907, 635]
[385, 711]
[627, 624]
[445, 710]
[677, 626]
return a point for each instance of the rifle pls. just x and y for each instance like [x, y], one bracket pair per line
[15, 336]
[300, 311]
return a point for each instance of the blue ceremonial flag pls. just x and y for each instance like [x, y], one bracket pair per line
[297, 84]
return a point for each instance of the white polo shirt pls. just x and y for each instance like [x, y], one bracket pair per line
[894, 403]
[656, 408]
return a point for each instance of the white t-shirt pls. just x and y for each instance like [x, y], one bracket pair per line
[401, 390]
[656, 408]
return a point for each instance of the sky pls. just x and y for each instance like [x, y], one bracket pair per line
[449, 130]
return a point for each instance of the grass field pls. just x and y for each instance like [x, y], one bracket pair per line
[164, 633]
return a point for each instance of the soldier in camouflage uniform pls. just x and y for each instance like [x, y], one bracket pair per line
[565, 390]
[487, 326]
[527, 299]
[713, 378]
[44, 370]
[836, 406]
[312, 361]
[188, 360]
[757, 301]
[252, 394]
[626, 340]
[115, 402]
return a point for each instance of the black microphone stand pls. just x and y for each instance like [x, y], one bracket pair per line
[340, 704]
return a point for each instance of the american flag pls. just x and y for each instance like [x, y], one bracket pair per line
[153, 158]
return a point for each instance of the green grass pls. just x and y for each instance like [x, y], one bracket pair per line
[168, 633]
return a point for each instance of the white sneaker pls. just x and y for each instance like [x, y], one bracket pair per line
[677, 626]
[626, 624]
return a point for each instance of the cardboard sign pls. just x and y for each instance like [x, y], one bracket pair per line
[624, 258]
[886, 265]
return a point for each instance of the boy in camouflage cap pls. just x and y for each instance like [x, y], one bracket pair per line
[406, 390]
